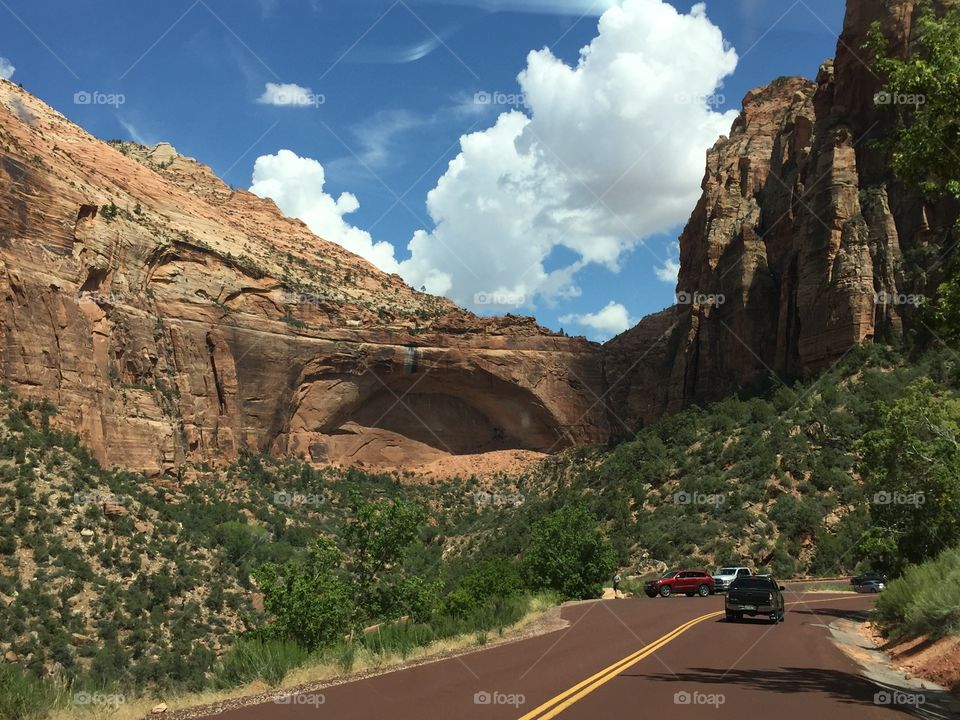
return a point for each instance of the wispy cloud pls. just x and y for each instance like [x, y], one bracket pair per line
[377, 139]
[378, 134]
[135, 134]
[402, 54]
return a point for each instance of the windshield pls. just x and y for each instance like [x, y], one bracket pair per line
[669, 574]
[727, 571]
[752, 583]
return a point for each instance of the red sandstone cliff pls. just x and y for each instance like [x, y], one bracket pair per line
[800, 229]
[171, 318]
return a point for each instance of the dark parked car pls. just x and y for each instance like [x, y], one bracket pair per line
[688, 582]
[760, 595]
[868, 578]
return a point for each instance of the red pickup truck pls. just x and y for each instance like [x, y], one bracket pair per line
[688, 582]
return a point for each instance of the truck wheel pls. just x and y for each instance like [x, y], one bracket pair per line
[732, 617]
[703, 590]
[783, 616]
[665, 591]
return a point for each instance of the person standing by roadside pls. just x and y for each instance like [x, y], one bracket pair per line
[616, 585]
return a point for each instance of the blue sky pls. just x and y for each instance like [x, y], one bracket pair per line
[371, 98]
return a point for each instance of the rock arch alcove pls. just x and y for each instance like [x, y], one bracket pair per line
[411, 406]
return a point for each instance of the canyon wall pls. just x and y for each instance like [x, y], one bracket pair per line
[801, 247]
[169, 317]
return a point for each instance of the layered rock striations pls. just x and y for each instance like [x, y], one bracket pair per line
[170, 317]
[802, 244]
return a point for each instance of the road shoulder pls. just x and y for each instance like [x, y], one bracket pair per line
[920, 697]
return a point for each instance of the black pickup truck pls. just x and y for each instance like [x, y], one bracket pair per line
[760, 595]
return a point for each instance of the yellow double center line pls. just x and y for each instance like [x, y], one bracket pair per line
[556, 705]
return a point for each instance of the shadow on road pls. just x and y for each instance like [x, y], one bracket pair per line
[838, 612]
[842, 686]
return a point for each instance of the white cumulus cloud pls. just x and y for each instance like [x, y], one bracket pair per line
[289, 95]
[669, 271]
[611, 320]
[610, 152]
[607, 153]
[296, 184]
[6, 68]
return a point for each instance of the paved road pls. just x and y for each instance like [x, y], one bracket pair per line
[629, 658]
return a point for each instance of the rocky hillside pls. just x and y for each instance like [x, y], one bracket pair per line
[802, 246]
[108, 576]
[170, 318]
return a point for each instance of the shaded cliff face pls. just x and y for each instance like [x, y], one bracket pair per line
[802, 246]
[170, 318]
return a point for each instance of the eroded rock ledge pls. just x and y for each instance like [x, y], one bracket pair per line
[170, 318]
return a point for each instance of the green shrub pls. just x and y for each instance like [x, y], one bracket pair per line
[497, 577]
[569, 554]
[924, 601]
[24, 696]
[311, 605]
[257, 658]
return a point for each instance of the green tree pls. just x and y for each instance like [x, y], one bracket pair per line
[923, 89]
[375, 539]
[911, 464]
[568, 553]
[309, 602]
[496, 578]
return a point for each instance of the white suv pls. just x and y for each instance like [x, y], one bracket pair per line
[726, 575]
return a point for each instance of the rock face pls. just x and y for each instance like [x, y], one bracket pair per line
[802, 246]
[170, 318]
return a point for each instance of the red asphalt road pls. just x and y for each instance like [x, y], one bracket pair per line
[792, 670]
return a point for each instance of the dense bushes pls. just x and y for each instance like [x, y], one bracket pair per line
[925, 600]
[568, 554]
[777, 478]
[497, 577]
[309, 603]
[911, 462]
